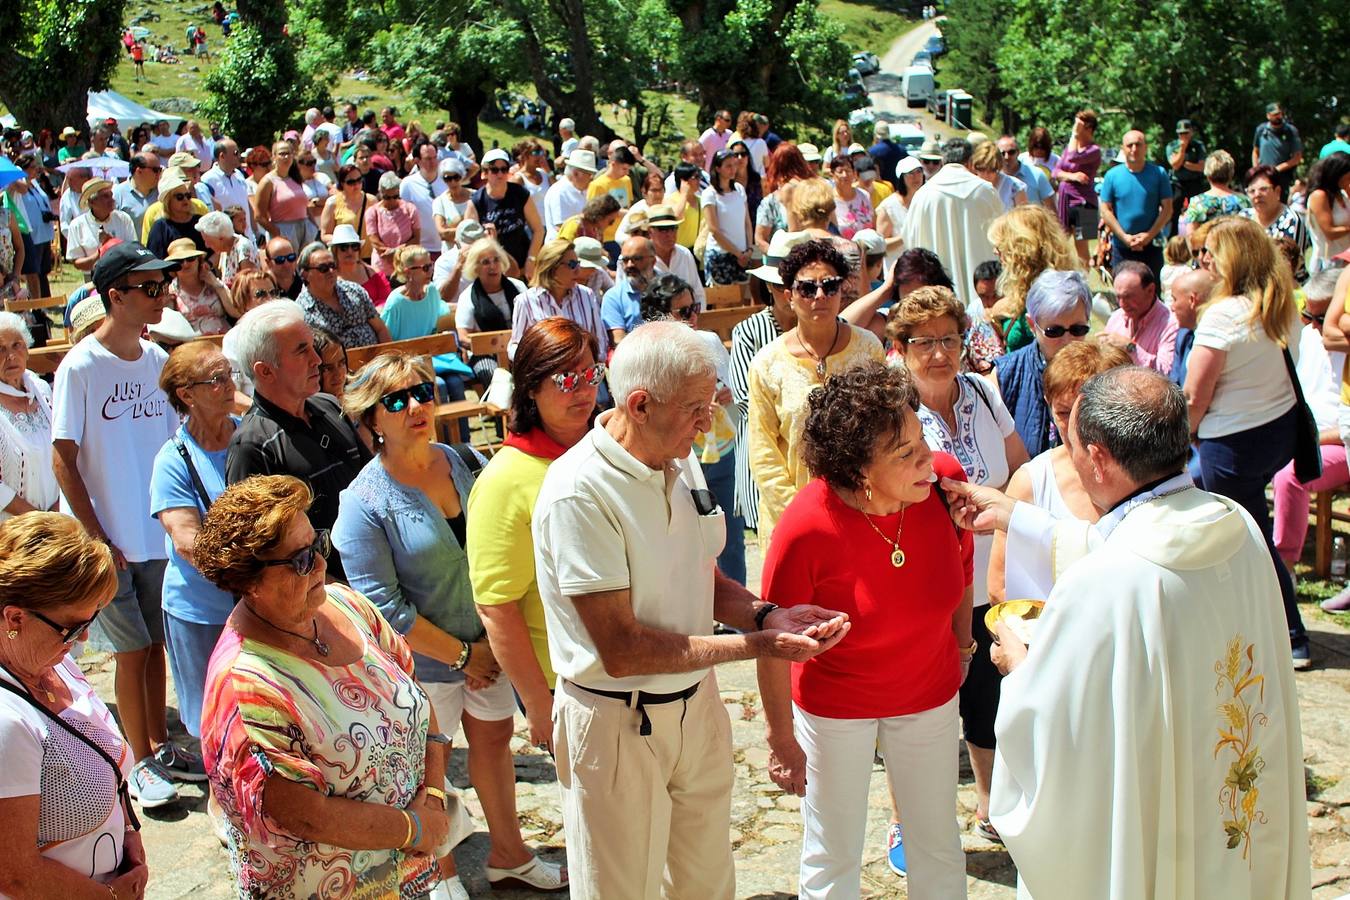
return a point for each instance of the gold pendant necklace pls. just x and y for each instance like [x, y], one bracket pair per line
[897, 555]
[819, 360]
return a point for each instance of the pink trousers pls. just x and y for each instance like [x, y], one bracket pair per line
[1292, 500]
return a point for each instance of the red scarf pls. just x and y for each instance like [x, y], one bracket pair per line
[535, 442]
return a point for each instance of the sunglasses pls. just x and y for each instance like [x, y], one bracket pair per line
[323, 268]
[284, 258]
[499, 170]
[218, 380]
[388, 197]
[353, 181]
[664, 227]
[69, 633]
[573, 264]
[740, 154]
[539, 152]
[685, 312]
[426, 267]
[592, 375]
[1057, 331]
[151, 289]
[397, 401]
[259, 293]
[303, 563]
[179, 196]
[306, 162]
[827, 286]
[454, 177]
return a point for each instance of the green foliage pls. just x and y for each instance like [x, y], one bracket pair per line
[54, 51]
[1215, 61]
[257, 87]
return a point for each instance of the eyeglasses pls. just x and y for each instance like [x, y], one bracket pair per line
[179, 196]
[1057, 331]
[151, 289]
[323, 268]
[740, 154]
[573, 264]
[397, 401]
[828, 286]
[499, 170]
[303, 563]
[1012, 152]
[284, 258]
[926, 345]
[592, 375]
[259, 293]
[1312, 318]
[69, 633]
[218, 380]
[686, 312]
[635, 259]
[353, 181]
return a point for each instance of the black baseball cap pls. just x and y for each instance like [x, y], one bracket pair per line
[123, 259]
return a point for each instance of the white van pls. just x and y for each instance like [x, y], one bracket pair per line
[917, 85]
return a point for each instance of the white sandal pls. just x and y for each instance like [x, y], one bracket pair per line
[449, 889]
[535, 875]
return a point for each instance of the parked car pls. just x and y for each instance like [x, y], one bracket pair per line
[937, 105]
[855, 94]
[922, 58]
[866, 63]
[935, 45]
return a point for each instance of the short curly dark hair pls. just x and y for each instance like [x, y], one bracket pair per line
[659, 294]
[853, 415]
[808, 252]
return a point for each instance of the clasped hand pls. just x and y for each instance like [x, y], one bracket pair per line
[798, 633]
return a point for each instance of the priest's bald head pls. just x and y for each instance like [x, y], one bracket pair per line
[1128, 430]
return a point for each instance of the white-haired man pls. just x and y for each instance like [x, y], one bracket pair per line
[1152, 726]
[626, 537]
[567, 196]
[291, 429]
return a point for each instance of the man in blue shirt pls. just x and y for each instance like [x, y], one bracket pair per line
[1276, 143]
[1037, 184]
[1136, 203]
[887, 153]
[621, 309]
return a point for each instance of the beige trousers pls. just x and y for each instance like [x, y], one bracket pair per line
[646, 817]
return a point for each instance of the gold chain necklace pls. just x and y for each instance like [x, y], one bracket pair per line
[819, 360]
[897, 555]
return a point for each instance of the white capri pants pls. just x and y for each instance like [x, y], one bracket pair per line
[920, 751]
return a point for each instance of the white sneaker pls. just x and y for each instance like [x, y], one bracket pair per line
[449, 889]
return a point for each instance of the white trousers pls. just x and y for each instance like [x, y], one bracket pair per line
[920, 751]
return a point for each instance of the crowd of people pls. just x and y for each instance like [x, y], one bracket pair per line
[211, 491]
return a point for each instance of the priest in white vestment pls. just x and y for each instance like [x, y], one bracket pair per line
[1148, 739]
[950, 215]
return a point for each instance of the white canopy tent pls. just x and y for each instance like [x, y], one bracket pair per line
[126, 111]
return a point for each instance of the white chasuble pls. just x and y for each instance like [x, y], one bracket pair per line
[1148, 745]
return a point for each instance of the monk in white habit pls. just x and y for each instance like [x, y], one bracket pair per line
[1148, 739]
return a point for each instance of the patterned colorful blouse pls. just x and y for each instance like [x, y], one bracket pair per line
[357, 731]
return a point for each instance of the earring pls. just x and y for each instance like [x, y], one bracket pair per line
[11, 634]
[867, 492]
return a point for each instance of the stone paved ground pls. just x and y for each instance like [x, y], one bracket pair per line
[186, 860]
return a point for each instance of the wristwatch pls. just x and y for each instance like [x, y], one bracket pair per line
[439, 795]
[763, 614]
[437, 737]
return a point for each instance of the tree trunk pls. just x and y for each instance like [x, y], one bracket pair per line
[467, 104]
[578, 103]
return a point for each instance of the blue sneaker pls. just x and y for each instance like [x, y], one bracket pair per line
[895, 850]
[1302, 656]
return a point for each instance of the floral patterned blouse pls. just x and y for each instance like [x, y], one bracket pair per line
[357, 731]
[1204, 207]
[854, 215]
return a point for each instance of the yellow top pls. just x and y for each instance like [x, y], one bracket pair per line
[879, 191]
[621, 188]
[687, 234]
[155, 211]
[779, 384]
[501, 546]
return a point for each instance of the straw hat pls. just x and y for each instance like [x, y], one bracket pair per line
[779, 246]
[86, 315]
[92, 187]
[181, 249]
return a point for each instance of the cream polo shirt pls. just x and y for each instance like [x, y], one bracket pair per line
[605, 521]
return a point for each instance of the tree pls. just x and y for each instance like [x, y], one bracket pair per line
[258, 85]
[1145, 65]
[54, 53]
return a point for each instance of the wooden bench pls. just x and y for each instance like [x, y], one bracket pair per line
[1323, 517]
[44, 360]
[721, 296]
[42, 306]
[721, 321]
[447, 414]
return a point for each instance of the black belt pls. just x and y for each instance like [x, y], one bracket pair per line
[640, 699]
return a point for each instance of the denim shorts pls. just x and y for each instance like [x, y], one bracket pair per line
[190, 646]
[133, 620]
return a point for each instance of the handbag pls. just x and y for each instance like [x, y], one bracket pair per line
[1307, 452]
[498, 395]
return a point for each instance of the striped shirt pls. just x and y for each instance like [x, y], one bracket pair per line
[747, 338]
[537, 304]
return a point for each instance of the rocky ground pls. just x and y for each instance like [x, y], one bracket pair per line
[187, 861]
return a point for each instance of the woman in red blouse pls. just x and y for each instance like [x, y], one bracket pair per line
[871, 536]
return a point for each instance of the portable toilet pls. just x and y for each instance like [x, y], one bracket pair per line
[959, 110]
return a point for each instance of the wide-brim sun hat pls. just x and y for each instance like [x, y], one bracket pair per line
[344, 235]
[780, 245]
[590, 253]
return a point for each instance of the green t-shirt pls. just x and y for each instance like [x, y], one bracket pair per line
[1186, 181]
